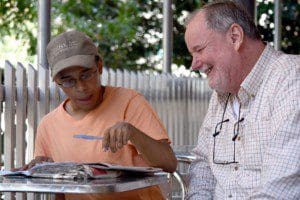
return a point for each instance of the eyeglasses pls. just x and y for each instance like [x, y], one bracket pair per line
[218, 129]
[71, 82]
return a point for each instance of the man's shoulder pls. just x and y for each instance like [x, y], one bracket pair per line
[288, 57]
[284, 63]
[283, 68]
[281, 80]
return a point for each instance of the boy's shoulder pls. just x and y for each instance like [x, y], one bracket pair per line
[54, 114]
[122, 92]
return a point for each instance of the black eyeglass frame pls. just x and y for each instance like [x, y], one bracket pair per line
[90, 73]
[235, 135]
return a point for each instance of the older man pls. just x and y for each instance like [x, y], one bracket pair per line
[249, 143]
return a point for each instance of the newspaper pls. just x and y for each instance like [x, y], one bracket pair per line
[72, 170]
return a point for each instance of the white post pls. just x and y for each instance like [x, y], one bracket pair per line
[43, 31]
[277, 21]
[167, 35]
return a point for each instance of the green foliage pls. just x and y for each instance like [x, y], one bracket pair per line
[290, 24]
[126, 30]
[17, 18]
[181, 55]
[113, 24]
[129, 30]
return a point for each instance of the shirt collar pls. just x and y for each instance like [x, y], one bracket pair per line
[254, 79]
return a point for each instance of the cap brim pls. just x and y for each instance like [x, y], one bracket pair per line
[87, 61]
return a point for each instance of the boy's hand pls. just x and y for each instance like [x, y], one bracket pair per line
[117, 136]
[36, 160]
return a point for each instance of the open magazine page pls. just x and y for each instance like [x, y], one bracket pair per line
[72, 170]
[124, 168]
[64, 170]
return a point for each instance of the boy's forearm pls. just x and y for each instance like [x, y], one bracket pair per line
[157, 153]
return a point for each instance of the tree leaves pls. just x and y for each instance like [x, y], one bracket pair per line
[127, 31]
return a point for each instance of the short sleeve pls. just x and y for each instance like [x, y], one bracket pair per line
[40, 142]
[140, 114]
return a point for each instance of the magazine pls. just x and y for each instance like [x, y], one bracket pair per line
[72, 170]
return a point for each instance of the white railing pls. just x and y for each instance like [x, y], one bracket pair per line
[26, 95]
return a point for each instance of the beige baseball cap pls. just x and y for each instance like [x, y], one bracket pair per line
[71, 48]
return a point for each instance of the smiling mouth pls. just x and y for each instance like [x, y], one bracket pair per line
[208, 70]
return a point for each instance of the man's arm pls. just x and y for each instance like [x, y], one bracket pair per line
[281, 164]
[201, 180]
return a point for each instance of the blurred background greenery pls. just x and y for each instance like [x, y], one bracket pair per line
[128, 32]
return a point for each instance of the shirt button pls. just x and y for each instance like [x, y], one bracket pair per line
[230, 196]
[236, 168]
[238, 138]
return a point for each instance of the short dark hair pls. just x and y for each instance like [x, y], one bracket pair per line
[220, 15]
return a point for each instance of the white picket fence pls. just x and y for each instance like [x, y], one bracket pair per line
[26, 95]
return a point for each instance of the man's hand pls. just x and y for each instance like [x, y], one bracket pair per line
[117, 136]
[36, 160]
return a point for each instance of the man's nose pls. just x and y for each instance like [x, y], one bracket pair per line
[196, 63]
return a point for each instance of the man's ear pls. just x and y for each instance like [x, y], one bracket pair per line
[100, 65]
[235, 35]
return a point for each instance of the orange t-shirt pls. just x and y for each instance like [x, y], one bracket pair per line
[55, 135]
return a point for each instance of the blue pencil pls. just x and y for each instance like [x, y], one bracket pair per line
[87, 137]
